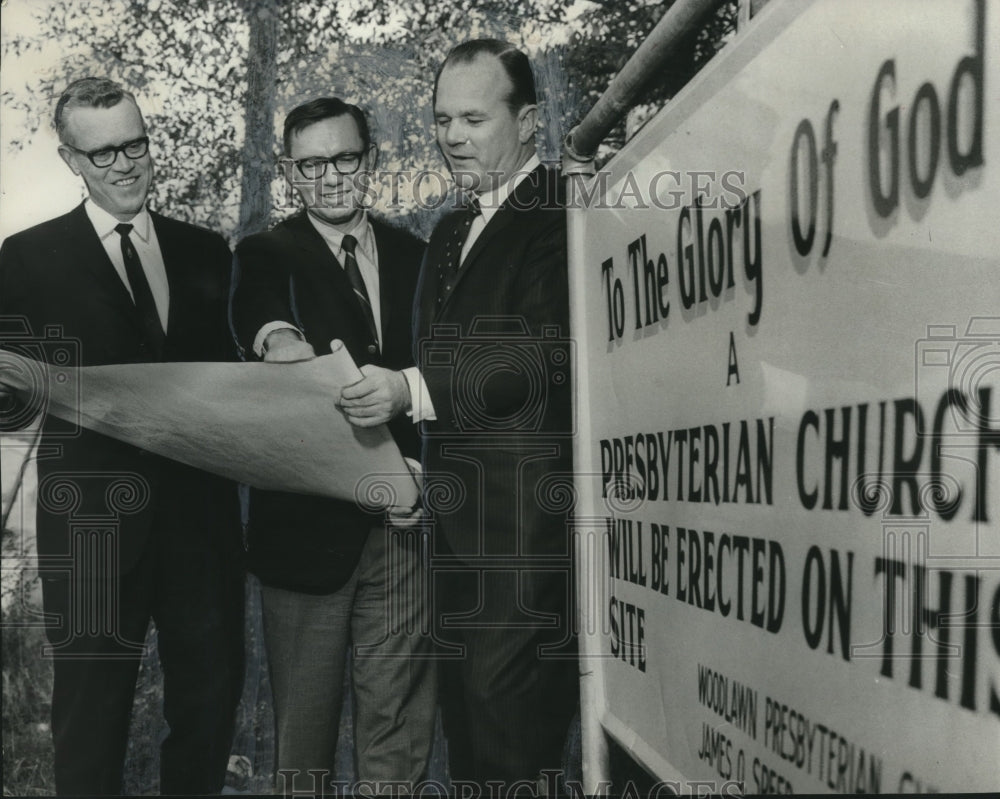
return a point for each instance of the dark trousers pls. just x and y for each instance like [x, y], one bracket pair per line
[193, 591]
[508, 670]
[378, 617]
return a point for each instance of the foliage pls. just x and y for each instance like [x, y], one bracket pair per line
[186, 62]
[189, 64]
[27, 691]
[199, 81]
[593, 63]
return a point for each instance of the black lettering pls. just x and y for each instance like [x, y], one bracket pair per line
[752, 266]
[971, 67]
[734, 367]
[685, 259]
[803, 135]
[885, 202]
[806, 497]
[836, 449]
[926, 95]
[905, 467]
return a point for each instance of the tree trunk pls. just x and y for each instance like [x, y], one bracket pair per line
[258, 146]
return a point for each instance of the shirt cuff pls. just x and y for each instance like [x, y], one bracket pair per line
[268, 329]
[421, 407]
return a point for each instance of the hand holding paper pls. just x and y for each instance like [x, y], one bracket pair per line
[400, 516]
[286, 345]
[273, 426]
[381, 395]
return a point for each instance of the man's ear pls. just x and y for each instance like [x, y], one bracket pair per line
[67, 155]
[527, 123]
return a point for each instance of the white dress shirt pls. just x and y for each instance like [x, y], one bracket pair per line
[147, 247]
[490, 202]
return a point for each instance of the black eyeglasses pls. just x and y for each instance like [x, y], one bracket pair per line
[344, 163]
[106, 156]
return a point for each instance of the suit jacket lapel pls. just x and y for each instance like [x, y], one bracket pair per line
[306, 237]
[94, 257]
[323, 264]
[426, 295]
[428, 284]
[523, 197]
[174, 258]
[386, 257]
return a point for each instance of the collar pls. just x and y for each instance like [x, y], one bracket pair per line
[104, 223]
[334, 237]
[490, 201]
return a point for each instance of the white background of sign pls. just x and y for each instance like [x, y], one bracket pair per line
[845, 329]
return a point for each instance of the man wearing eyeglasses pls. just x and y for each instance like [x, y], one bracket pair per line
[332, 575]
[124, 536]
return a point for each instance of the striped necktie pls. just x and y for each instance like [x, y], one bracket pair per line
[349, 245]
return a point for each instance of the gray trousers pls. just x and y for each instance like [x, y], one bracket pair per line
[381, 615]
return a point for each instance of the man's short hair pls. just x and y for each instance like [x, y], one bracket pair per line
[317, 110]
[88, 93]
[514, 62]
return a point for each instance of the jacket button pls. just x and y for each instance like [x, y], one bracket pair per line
[372, 349]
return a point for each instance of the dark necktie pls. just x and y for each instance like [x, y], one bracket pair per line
[452, 259]
[142, 296]
[349, 245]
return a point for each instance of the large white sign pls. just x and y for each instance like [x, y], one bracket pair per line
[787, 313]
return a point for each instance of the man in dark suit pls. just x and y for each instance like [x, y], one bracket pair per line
[492, 327]
[122, 535]
[333, 575]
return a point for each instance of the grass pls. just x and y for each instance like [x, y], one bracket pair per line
[27, 703]
[27, 698]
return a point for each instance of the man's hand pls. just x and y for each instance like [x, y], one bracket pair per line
[286, 345]
[399, 516]
[404, 517]
[375, 399]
